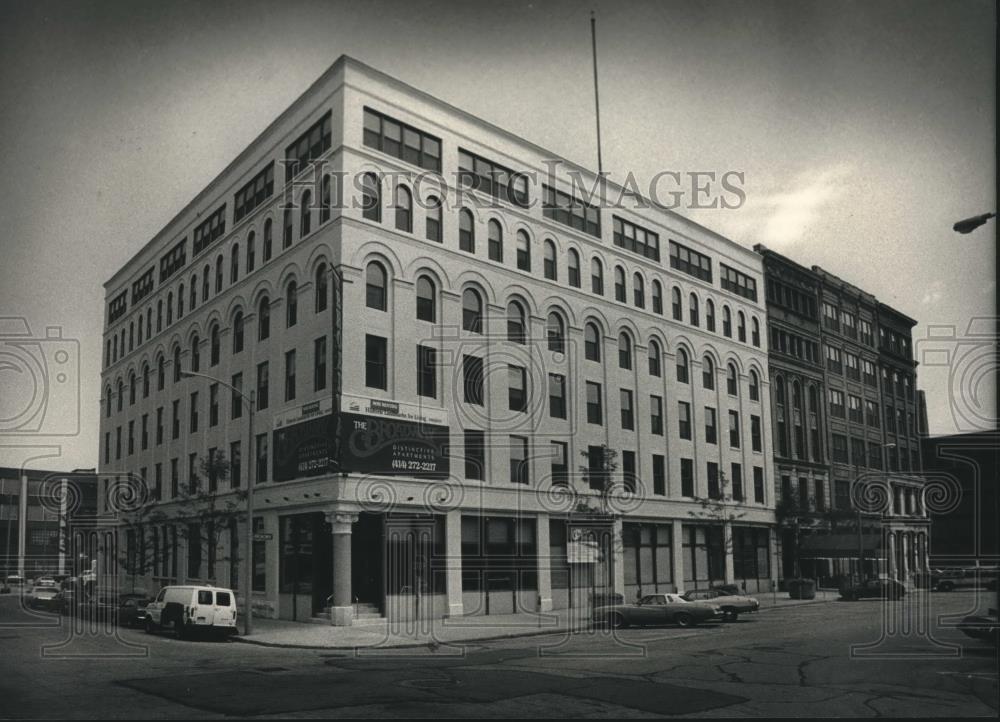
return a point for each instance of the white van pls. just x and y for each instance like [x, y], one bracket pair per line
[187, 609]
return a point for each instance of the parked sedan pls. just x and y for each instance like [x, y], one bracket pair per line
[732, 605]
[43, 597]
[128, 610]
[874, 588]
[656, 609]
[984, 627]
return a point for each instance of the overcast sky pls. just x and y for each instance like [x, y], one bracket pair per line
[864, 129]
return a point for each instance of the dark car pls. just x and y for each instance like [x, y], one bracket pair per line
[125, 610]
[874, 589]
[982, 627]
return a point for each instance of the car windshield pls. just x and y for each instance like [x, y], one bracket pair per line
[42, 589]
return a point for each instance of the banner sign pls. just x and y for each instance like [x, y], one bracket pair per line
[311, 410]
[390, 409]
[303, 449]
[379, 445]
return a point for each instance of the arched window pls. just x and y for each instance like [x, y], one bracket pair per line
[371, 198]
[727, 322]
[732, 380]
[466, 231]
[797, 430]
[624, 351]
[145, 380]
[516, 324]
[139, 329]
[131, 388]
[655, 354]
[619, 284]
[214, 345]
[657, 295]
[710, 315]
[322, 288]
[234, 264]
[555, 330]
[754, 386]
[177, 364]
[638, 291]
[264, 319]
[682, 366]
[195, 354]
[596, 276]
[121, 394]
[286, 227]
[251, 241]
[404, 209]
[218, 273]
[693, 309]
[131, 335]
[326, 198]
[815, 447]
[194, 291]
[592, 342]
[741, 327]
[238, 332]
[573, 268]
[291, 305]
[149, 321]
[494, 240]
[426, 300]
[180, 305]
[375, 287]
[472, 311]
[161, 373]
[781, 432]
[678, 309]
[549, 268]
[268, 240]
[707, 373]
[107, 402]
[205, 276]
[170, 307]
[755, 332]
[523, 251]
[433, 218]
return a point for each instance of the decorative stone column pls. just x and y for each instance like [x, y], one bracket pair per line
[453, 551]
[906, 556]
[618, 552]
[543, 554]
[727, 550]
[677, 552]
[893, 571]
[342, 610]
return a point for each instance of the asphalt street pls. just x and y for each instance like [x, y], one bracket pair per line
[862, 659]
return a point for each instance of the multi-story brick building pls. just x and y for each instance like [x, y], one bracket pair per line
[456, 329]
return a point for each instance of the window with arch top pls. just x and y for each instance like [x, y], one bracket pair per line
[376, 292]
[472, 311]
[516, 323]
[708, 373]
[404, 209]
[592, 342]
[549, 269]
[556, 333]
[426, 300]
[624, 351]
[682, 366]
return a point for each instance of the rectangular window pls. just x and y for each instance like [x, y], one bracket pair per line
[376, 376]
[308, 147]
[684, 419]
[492, 179]
[628, 418]
[656, 415]
[736, 472]
[636, 239]
[236, 402]
[518, 460]
[254, 193]
[173, 260]
[210, 229]
[690, 262]
[595, 467]
[262, 386]
[714, 491]
[854, 412]
[831, 318]
[738, 283]
[235, 464]
[758, 485]
[319, 364]
[402, 141]
[213, 405]
[836, 403]
[193, 418]
[734, 429]
[687, 477]
[570, 211]
[517, 393]
[175, 419]
[159, 425]
[594, 413]
[560, 463]
[820, 495]
[840, 448]
[628, 470]
[261, 447]
[833, 360]
[756, 442]
[426, 372]
[853, 366]
[659, 475]
[710, 425]
[842, 494]
[472, 377]
[475, 455]
[557, 396]
[175, 479]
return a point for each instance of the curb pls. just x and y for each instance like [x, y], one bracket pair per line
[495, 637]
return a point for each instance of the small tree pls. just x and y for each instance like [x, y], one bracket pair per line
[600, 475]
[722, 509]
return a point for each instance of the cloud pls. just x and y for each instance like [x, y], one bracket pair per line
[933, 294]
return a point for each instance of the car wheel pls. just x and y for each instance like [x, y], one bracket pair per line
[182, 629]
[617, 621]
[149, 626]
[730, 615]
[684, 620]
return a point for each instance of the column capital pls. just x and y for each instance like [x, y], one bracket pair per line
[341, 520]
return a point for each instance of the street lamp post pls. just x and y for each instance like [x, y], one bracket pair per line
[251, 460]
[968, 225]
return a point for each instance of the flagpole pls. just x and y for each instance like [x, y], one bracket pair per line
[597, 98]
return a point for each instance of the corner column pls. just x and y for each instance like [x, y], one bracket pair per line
[727, 549]
[677, 552]
[453, 559]
[544, 561]
[342, 611]
[618, 554]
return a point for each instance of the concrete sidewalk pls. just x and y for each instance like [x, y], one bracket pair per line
[436, 632]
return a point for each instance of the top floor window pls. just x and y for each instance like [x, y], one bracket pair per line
[637, 239]
[308, 147]
[570, 211]
[492, 179]
[254, 193]
[738, 283]
[401, 141]
[690, 262]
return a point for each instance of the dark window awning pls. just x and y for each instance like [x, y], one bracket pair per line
[839, 545]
